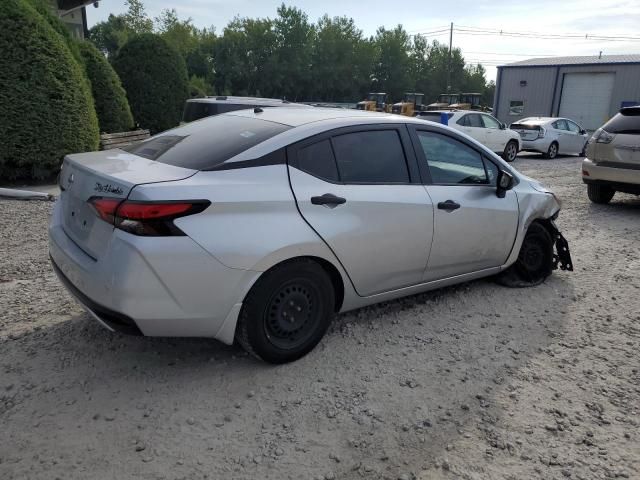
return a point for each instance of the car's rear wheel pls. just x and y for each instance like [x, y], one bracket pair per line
[510, 151]
[552, 151]
[287, 312]
[600, 193]
[535, 260]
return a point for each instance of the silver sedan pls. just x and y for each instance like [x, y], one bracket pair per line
[259, 226]
[551, 136]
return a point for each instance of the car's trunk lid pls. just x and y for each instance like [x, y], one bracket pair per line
[526, 131]
[113, 174]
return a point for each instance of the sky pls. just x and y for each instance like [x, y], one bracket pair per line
[619, 18]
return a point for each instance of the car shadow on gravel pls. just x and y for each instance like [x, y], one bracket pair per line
[390, 385]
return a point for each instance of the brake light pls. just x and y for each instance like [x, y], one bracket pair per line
[105, 208]
[541, 132]
[602, 136]
[146, 218]
[151, 211]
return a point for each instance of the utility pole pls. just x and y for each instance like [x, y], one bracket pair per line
[449, 62]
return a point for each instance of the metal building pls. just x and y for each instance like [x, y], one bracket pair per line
[588, 90]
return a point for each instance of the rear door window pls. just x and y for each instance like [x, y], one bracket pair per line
[475, 120]
[207, 144]
[560, 125]
[317, 159]
[374, 156]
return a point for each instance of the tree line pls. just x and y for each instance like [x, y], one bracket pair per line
[291, 57]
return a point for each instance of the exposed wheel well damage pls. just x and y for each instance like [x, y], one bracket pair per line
[329, 268]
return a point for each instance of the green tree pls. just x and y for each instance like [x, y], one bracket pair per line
[335, 59]
[46, 110]
[112, 108]
[111, 35]
[392, 67]
[154, 75]
[136, 19]
[294, 39]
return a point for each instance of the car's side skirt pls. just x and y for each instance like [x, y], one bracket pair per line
[358, 302]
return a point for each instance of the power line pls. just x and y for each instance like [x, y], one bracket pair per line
[546, 34]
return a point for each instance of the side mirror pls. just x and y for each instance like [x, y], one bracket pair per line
[503, 126]
[505, 183]
[583, 132]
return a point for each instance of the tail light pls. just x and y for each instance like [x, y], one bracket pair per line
[602, 136]
[153, 219]
[541, 132]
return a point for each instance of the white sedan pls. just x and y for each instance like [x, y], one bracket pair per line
[482, 127]
[551, 136]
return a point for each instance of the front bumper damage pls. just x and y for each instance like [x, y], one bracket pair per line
[562, 256]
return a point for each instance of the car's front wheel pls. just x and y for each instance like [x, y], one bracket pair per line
[287, 312]
[535, 260]
[600, 193]
[510, 151]
[552, 151]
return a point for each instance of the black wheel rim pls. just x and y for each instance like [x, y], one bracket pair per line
[292, 314]
[533, 261]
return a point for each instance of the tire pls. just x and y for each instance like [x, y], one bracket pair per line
[535, 260]
[600, 193]
[267, 327]
[510, 151]
[552, 151]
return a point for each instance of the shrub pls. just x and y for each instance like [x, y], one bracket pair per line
[46, 109]
[154, 76]
[114, 114]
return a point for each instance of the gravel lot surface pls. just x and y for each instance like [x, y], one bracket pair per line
[474, 382]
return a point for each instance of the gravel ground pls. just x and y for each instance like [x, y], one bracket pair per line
[474, 382]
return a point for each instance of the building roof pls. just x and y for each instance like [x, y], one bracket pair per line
[585, 60]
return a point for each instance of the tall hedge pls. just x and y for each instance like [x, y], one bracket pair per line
[154, 75]
[46, 109]
[112, 107]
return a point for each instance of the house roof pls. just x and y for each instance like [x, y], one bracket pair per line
[585, 60]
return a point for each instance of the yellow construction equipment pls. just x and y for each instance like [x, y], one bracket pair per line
[444, 101]
[412, 103]
[467, 101]
[375, 102]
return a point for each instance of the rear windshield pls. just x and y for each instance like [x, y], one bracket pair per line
[197, 110]
[524, 126]
[627, 121]
[205, 145]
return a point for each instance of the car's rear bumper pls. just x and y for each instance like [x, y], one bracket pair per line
[540, 145]
[620, 179]
[156, 286]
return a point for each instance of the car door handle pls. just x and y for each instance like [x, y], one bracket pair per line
[449, 206]
[328, 199]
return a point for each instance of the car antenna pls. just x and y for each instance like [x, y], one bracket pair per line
[257, 110]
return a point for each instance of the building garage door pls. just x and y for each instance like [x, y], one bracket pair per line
[586, 98]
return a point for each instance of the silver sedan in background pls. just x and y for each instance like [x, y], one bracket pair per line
[260, 226]
[551, 136]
